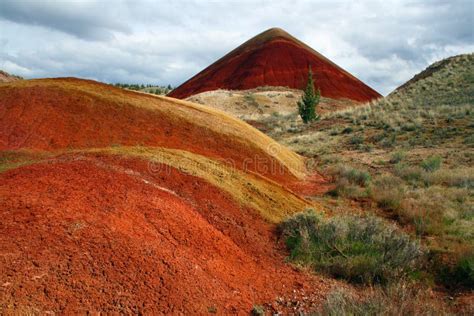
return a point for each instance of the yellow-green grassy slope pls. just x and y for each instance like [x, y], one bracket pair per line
[415, 147]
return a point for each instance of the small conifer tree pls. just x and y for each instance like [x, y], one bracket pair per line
[309, 101]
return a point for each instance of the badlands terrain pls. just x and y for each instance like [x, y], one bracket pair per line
[122, 202]
[275, 58]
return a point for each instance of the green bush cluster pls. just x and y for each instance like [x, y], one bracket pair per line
[358, 249]
[354, 176]
[356, 140]
[397, 157]
[460, 274]
[413, 175]
[350, 182]
[431, 164]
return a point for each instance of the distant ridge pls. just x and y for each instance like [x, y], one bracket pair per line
[446, 82]
[6, 77]
[436, 67]
[275, 58]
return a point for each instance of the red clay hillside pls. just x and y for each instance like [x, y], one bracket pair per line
[118, 202]
[275, 58]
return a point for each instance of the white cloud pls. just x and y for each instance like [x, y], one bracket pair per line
[382, 43]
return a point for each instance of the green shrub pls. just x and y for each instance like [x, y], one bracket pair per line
[397, 157]
[358, 249]
[411, 174]
[469, 140]
[464, 271]
[353, 176]
[309, 101]
[387, 191]
[367, 148]
[356, 140]
[350, 182]
[347, 130]
[390, 141]
[378, 137]
[346, 189]
[431, 164]
[251, 99]
[460, 274]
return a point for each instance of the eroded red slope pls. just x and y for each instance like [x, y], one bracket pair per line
[53, 114]
[85, 228]
[275, 58]
[91, 234]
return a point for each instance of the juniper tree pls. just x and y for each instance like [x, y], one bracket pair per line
[309, 101]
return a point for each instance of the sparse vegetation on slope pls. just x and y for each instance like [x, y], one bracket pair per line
[358, 249]
[407, 157]
[401, 298]
[247, 189]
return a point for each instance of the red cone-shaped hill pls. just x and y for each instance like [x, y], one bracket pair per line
[275, 58]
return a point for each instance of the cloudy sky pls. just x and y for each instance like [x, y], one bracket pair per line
[384, 43]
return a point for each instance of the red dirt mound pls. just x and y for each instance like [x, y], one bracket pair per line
[88, 226]
[275, 58]
[91, 234]
[72, 113]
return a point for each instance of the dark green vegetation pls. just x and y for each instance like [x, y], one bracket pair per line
[358, 249]
[309, 101]
[149, 88]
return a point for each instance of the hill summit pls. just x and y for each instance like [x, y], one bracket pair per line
[275, 58]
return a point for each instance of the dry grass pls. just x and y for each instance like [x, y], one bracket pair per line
[417, 146]
[10, 159]
[270, 199]
[262, 102]
[175, 110]
[395, 300]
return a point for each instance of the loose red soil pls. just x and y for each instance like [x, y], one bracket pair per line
[85, 232]
[275, 58]
[73, 113]
[312, 185]
[97, 233]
